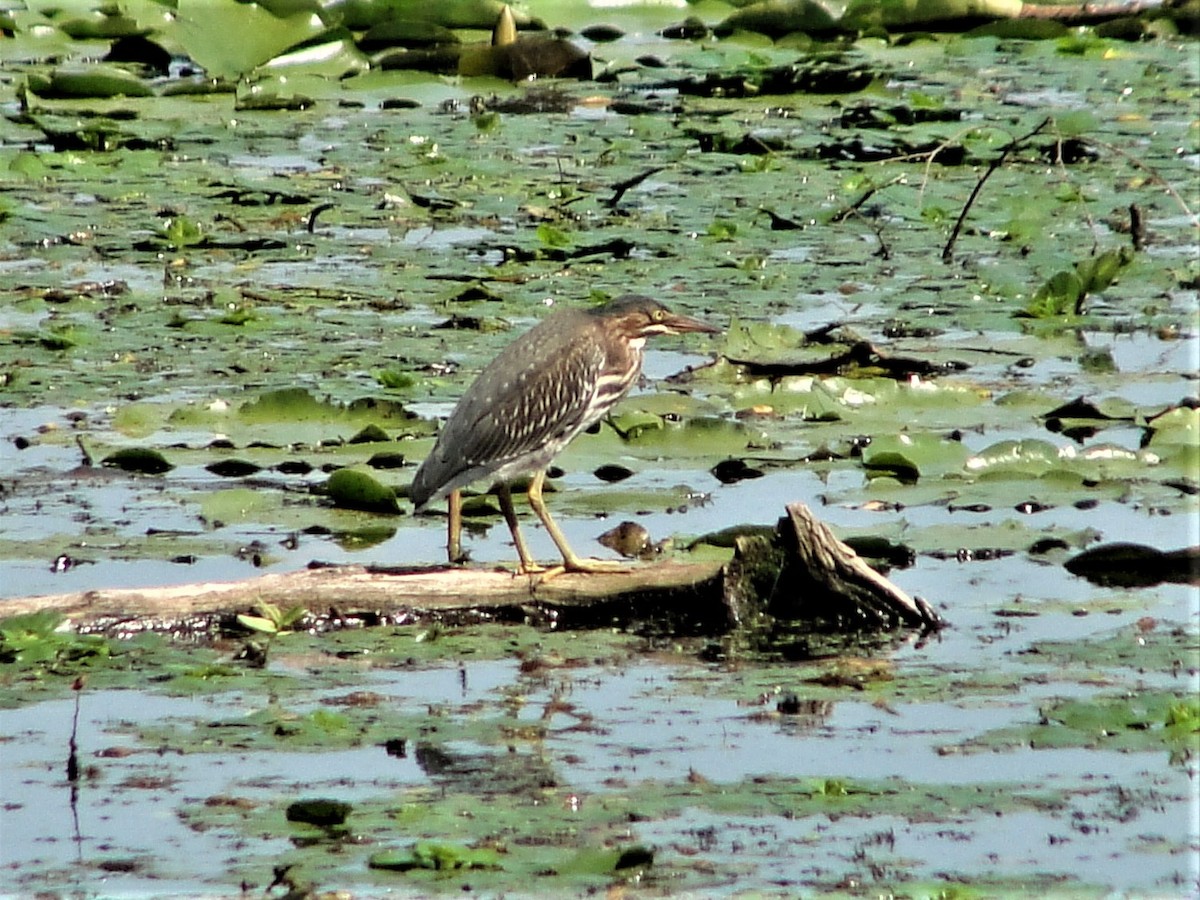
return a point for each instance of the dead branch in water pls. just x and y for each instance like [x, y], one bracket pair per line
[801, 572]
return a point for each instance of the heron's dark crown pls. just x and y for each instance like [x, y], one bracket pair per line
[635, 316]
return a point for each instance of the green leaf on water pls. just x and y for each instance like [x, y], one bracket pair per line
[1125, 564]
[1081, 42]
[272, 619]
[608, 861]
[257, 623]
[722, 230]
[241, 504]
[333, 59]
[369, 434]
[910, 456]
[552, 237]
[447, 13]
[30, 638]
[138, 459]
[319, 811]
[203, 29]
[1015, 459]
[287, 404]
[935, 214]
[358, 490]
[28, 164]
[1098, 272]
[38, 639]
[97, 81]
[1076, 122]
[1063, 294]
[833, 787]
[1184, 716]
[331, 723]
[394, 379]
[437, 856]
[486, 122]
[907, 14]
[239, 315]
[820, 405]
[634, 423]
[761, 341]
[182, 232]
[59, 337]
[1178, 426]
[358, 539]
[1060, 296]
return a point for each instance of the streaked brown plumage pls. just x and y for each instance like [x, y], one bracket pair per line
[534, 398]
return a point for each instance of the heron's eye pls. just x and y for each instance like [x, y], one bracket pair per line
[657, 315]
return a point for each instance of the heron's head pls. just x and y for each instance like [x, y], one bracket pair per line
[633, 317]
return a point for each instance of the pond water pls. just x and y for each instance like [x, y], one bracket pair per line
[1044, 744]
[648, 725]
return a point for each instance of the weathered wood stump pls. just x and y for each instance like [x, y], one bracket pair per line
[805, 572]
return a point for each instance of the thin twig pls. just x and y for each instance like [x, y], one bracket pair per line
[884, 252]
[620, 188]
[1149, 170]
[1065, 174]
[846, 211]
[932, 156]
[87, 460]
[948, 250]
[1137, 228]
[73, 772]
[72, 743]
[311, 226]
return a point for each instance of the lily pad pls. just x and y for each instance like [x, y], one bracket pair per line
[912, 456]
[437, 856]
[319, 811]
[138, 459]
[203, 30]
[358, 490]
[95, 81]
[1136, 565]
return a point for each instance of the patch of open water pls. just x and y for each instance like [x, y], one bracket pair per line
[270, 164]
[843, 851]
[650, 724]
[430, 238]
[127, 808]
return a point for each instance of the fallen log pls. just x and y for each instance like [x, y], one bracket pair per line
[355, 594]
[801, 571]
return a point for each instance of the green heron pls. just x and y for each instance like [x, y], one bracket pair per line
[542, 390]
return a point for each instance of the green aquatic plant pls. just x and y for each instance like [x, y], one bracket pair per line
[43, 642]
[273, 620]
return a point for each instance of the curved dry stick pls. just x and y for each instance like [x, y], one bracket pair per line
[996, 163]
[1149, 170]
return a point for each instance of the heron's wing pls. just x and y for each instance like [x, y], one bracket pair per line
[530, 400]
[526, 405]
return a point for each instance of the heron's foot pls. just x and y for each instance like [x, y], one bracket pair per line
[576, 565]
[532, 568]
[586, 567]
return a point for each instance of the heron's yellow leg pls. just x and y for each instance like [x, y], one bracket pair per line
[571, 562]
[527, 565]
[454, 527]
